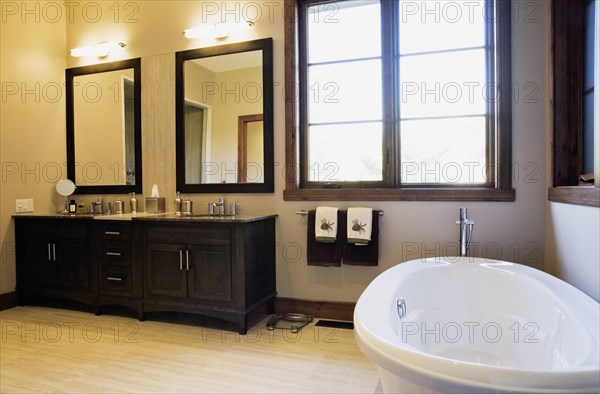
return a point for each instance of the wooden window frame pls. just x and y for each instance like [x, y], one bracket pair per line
[502, 190]
[567, 152]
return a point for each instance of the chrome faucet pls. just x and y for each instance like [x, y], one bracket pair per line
[465, 232]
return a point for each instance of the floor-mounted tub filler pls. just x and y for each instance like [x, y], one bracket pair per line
[473, 325]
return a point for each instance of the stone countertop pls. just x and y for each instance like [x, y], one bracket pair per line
[201, 217]
[150, 216]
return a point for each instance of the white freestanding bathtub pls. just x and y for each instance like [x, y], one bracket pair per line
[473, 325]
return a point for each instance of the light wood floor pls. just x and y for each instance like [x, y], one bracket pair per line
[56, 350]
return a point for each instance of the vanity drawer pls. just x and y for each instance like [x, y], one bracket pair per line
[115, 252]
[116, 280]
[114, 232]
[207, 234]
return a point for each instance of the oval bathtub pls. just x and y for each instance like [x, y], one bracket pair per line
[474, 325]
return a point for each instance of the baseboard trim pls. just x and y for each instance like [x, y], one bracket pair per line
[8, 300]
[322, 309]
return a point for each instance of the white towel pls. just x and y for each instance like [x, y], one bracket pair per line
[326, 224]
[360, 221]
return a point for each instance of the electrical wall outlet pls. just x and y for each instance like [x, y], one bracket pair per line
[24, 205]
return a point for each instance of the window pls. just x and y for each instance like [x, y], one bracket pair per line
[588, 88]
[574, 39]
[398, 100]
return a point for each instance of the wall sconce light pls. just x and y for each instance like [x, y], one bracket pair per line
[102, 49]
[217, 30]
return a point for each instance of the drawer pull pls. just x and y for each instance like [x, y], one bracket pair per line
[113, 253]
[112, 232]
[114, 279]
[51, 251]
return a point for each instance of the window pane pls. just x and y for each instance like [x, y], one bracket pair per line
[588, 133]
[348, 152]
[341, 92]
[444, 84]
[440, 25]
[589, 86]
[588, 45]
[443, 150]
[343, 30]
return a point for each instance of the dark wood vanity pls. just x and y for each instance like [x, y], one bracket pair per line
[223, 267]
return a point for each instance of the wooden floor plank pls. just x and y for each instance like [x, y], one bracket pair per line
[64, 351]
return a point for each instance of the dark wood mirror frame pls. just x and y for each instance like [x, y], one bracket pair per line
[70, 74]
[266, 46]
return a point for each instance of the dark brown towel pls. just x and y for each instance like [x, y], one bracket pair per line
[364, 254]
[322, 253]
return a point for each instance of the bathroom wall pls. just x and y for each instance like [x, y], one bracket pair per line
[152, 30]
[572, 249]
[32, 117]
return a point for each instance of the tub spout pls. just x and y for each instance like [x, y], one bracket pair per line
[466, 231]
[401, 307]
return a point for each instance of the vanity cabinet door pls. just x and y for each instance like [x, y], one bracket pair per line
[53, 259]
[209, 272]
[166, 273]
[36, 264]
[72, 271]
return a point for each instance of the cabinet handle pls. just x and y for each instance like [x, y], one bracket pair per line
[113, 253]
[181, 260]
[112, 232]
[114, 279]
[53, 252]
[49, 255]
[187, 260]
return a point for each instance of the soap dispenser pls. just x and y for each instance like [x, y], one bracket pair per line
[178, 204]
[133, 203]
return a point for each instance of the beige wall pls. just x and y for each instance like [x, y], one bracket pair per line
[32, 120]
[512, 231]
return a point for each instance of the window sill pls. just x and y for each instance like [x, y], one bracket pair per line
[578, 195]
[405, 194]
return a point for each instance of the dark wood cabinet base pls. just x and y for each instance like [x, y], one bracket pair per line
[223, 269]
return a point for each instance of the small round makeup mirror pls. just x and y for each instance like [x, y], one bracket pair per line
[65, 187]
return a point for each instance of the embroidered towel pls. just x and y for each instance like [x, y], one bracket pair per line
[323, 254]
[326, 224]
[359, 225]
[363, 254]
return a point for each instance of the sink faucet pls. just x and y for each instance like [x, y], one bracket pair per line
[465, 232]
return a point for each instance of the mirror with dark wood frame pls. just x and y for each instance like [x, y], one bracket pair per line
[104, 128]
[224, 118]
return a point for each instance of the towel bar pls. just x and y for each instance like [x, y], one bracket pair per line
[304, 213]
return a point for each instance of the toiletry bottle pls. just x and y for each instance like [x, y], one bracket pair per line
[81, 206]
[72, 207]
[133, 203]
[178, 204]
[118, 206]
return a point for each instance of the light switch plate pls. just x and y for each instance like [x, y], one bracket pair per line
[24, 205]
